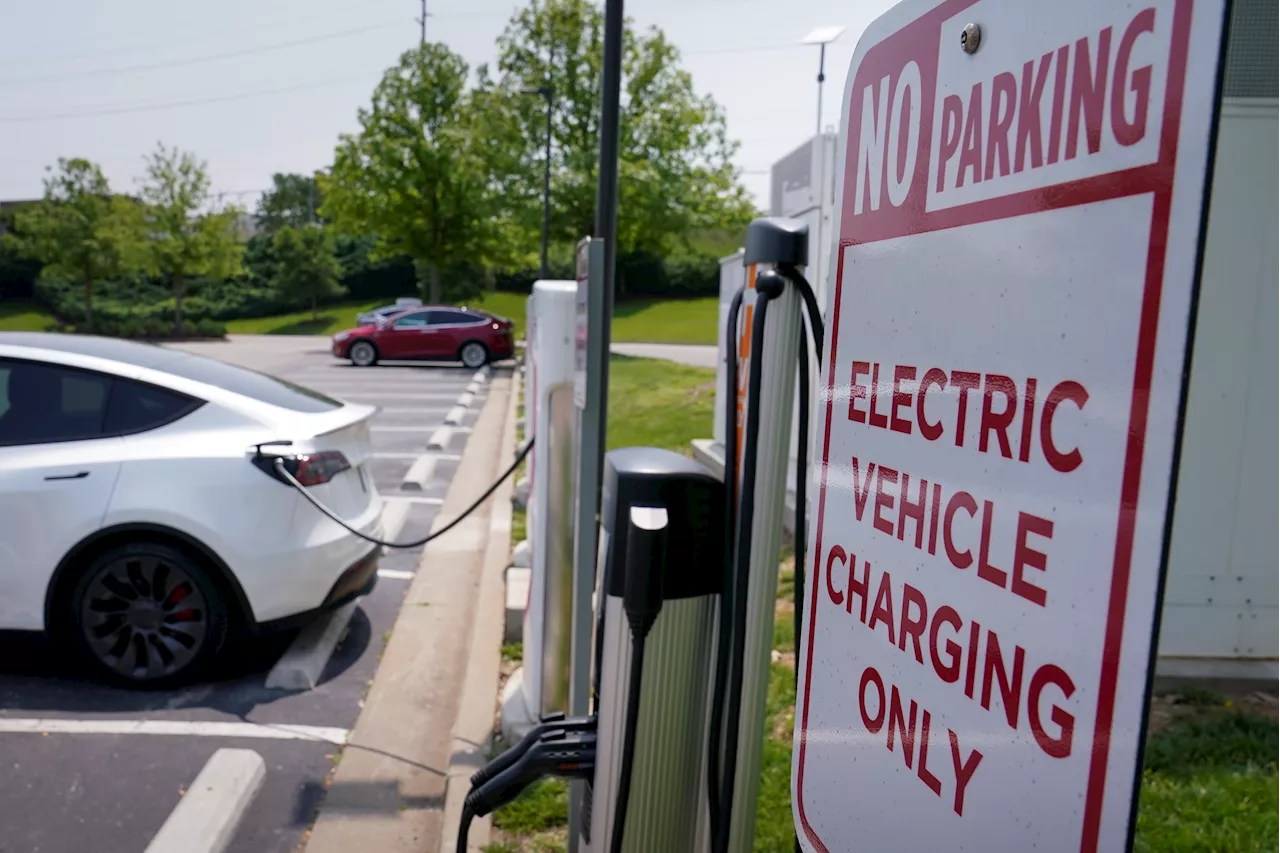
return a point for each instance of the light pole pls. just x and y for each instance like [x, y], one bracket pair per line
[822, 37]
[546, 92]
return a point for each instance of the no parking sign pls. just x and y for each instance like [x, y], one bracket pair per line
[1022, 188]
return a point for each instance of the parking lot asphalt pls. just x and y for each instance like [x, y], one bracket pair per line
[88, 766]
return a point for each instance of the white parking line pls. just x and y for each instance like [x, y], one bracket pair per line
[403, 428]
[456, 414]
[206, 818]
[416, 410]
[185, 728]
[465, 399]
[473, 388]
[480, 376]
[301, 665]
[398, 396]
[395, 575]
[442, 457]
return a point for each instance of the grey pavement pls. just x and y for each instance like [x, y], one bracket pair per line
[60, 788]
[697, 355]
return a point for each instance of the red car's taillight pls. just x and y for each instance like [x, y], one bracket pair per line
[309, 469]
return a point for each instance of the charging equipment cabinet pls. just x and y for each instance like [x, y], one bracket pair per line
[655, 489]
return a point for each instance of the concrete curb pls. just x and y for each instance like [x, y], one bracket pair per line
[206, 818]
[439, 439]
[473, 726]
[300, 667]
[388, 792]
[419, 474]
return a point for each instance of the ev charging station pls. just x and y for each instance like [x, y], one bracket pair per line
[542, 680]
[984, 570]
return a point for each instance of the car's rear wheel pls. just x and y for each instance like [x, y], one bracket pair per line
[147, 614]
[363, 354]
[473, 354]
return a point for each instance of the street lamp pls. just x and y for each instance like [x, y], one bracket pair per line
[822, 37]
[546, 92]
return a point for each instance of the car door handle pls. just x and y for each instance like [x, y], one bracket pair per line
[79, 475]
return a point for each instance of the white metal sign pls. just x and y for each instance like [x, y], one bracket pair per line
[1021, 194]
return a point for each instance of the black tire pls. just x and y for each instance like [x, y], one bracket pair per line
[146, 614]
[473, 354]
[356, 352]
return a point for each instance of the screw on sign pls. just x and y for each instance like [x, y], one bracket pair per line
[1018, 251]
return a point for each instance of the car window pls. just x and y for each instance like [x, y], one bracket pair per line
[47, 403]
[416, 319]
[454, 318]
[135, 407]
[262, 387]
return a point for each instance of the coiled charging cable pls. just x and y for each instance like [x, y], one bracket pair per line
[337, 519]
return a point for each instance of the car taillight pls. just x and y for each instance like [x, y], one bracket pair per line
[309, 469]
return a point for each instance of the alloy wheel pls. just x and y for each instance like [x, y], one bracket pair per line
[474, 355]
[363, 354]
[144, 617]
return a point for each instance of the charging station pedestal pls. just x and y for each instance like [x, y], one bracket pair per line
[667, 803]
[541, 684]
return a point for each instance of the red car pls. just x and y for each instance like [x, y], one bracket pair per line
[430, 332]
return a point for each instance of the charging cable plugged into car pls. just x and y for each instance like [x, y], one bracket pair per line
[302, 470]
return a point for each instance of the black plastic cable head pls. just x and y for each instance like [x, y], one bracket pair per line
[568, 755]
[549, 723]
[777, 240]
[646, 562]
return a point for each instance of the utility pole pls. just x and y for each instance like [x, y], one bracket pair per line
[422, 24]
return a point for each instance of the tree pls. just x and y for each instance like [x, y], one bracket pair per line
[79, 231]
[305, 265]
[293, 200]
[186, 236]
[415, 174]
[675, 171]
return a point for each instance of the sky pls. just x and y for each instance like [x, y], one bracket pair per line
[261, 86]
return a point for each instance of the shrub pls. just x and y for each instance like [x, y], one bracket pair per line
[211, 329]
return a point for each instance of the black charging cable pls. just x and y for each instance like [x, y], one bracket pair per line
[284, 474]
[768, 287]
[800, 536]
[724, 625]
[739, 506]
[642, 602]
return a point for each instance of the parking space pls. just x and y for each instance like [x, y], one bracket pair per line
[85, 760]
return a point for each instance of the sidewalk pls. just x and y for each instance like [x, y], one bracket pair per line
[428, 713]
[695, 355]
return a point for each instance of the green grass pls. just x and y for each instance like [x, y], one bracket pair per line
[519, 521]
[1210, 784]
[342, 315]
[513, 652]
[21, 315]
[658, 403]
[545, 805]
[666, 321]
[673, 321]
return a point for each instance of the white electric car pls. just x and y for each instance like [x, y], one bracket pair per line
[141, 516]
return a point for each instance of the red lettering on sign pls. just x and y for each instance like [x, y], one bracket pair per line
[1006, 411]
[889, 710]
[901, 398]
[993, 672]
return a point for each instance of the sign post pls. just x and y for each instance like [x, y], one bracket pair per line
[590, 363]
[1022, 189]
